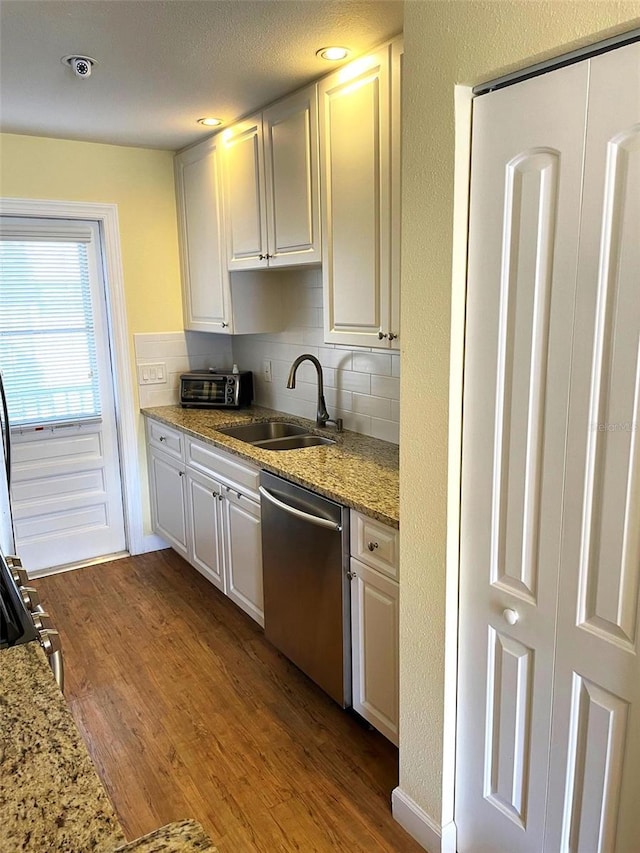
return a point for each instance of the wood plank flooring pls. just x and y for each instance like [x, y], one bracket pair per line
[187, 711]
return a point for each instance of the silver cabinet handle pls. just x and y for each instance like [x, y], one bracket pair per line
[382, 335]
[305, 516]
[392, 337]
[372, 546]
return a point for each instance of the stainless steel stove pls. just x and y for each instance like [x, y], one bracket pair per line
[22, 617]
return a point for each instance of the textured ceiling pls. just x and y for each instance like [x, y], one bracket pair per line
[161, 65]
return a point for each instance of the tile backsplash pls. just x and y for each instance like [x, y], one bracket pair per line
[361, 386]
[179, 352]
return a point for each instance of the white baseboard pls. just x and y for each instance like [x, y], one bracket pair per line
[153, 542]
[417, 822]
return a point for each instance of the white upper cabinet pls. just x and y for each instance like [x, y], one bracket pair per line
[271, 173]
[359, 119]
[205, 278]
[213, 299]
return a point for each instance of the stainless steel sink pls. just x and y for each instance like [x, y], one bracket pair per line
[275, 435]
[294, 442]
[263, 431]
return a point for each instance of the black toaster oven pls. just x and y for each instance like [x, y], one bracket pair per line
[206, 389]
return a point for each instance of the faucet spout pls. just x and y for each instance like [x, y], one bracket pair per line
[322, 415]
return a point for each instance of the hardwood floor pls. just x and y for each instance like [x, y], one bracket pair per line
[187, 711]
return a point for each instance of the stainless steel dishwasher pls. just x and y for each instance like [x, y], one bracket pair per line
[305, 558]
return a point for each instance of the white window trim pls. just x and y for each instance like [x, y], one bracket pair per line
[107, 216]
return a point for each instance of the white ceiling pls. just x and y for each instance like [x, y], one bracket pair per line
[161, 64]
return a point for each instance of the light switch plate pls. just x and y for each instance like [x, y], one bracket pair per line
[266, 370]
[152, 374]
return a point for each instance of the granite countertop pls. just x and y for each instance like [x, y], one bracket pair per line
[358, 471]
[50, 796]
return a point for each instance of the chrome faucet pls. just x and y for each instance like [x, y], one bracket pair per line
[322, 415]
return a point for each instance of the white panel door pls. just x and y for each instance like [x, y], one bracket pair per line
[168, 505]
[205, 528]
[374, 648]
[203, 252]
[245, 195]
[290, 130]
[243, 556]
[594, 800]
[66, 486]
[354, 114]
[523, 242]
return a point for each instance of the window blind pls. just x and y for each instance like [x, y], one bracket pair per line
[47, 338]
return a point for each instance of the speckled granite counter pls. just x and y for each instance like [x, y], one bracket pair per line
[51, 800]
[186, 835]
[358, 471]
[50, 796]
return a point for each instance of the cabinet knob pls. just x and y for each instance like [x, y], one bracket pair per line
[372, 546]
[262, 257]
[510, 616]
[162, 438]
[220, 497]
[224, 325]
[382, 335]
[392, 337]
[351, 575]
[181, 473]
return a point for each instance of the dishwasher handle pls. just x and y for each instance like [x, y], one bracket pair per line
[305, 516]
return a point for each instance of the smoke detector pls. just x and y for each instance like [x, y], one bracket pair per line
[80, 65]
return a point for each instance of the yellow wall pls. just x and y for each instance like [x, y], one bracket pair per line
[140, 182]
[448, 43]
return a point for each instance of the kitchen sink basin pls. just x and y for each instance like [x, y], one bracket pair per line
[275, 435]
[293, 442]
[264, 431]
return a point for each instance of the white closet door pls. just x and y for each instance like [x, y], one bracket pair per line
[525, 209]
[594, 800]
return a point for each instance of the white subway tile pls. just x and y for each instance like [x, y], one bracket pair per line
[338, 399]
[347, 380]
[385, 386]
[377, 407]
[386, 430]
[395, 410]
[355, 422]
[335, 358]
[395, 365]
[369, 362]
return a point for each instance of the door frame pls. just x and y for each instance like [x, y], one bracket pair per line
[106, 215]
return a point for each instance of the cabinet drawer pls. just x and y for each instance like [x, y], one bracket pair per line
[217, 463]
[165, 438]
[375, 544]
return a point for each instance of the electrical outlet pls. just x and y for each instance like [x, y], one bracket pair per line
[266, 370]
[152, 374]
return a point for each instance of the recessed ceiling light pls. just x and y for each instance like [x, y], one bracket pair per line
[210, 122]
[333, 54]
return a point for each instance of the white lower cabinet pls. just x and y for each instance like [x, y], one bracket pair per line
[168, 505]
[208, 510]
[374, 625]
[242, 539]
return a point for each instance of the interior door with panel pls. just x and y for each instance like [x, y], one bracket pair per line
[595, 756]
[56, 361]
[523, 242]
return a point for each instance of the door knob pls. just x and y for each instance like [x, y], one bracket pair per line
[511, 616]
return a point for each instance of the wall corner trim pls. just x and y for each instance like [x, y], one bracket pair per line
[417, 822]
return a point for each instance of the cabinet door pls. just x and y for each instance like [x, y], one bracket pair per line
[355, 164]
[245, 195]
[203, 505]
[168, 500]
[205, 279]
[397, 55]
[243, 553]
[374, 648]
[290, 130]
